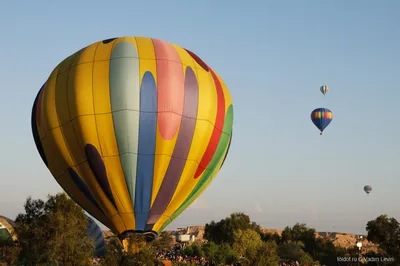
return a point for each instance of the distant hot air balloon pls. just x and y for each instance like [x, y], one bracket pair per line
[368, 189]
[321, 117]
[324, 89]
[134, 129]
[96, 235]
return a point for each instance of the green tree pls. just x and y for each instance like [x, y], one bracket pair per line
[267, 255]
[114, 253]
[193, 250]
[211, 252]
[372, 255]
[353, 252]
[300, 232]
[53, 232]
[9, 255]
[271, 237]
[306, 259]
[144, 257]
[224, 230]
[219, 254]
[139, 254]
[385, 232]
[246, 243]
[227, 255]
[326, 252]
[197, 250]
[287, 234]
[291, 250]
[29, 227]
[188, 251]
[163, 242]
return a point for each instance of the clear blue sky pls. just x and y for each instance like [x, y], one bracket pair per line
[273, 55]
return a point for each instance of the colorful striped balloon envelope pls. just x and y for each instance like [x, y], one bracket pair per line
[324, 89]
[134, 129]
[321, 117]
[7, 235]
[96, 236]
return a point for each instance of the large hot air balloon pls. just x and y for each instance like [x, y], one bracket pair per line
[321, 117]
[134, 129]
[6, 231]
[324, 89]
[367, 189]
[96, 235]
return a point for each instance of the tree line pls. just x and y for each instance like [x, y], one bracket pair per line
[53, 232]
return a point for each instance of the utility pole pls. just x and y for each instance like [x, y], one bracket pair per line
[359, 245]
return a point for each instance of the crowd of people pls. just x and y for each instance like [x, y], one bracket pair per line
[175, 255]
[289, 263]
[292, 263]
